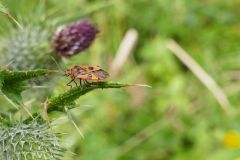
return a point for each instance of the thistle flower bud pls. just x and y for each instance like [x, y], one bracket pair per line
[32, 141]
[26, 48]
[74, 38]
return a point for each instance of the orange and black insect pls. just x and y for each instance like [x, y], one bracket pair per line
[85, 73]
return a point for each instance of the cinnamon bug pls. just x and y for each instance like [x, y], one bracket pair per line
[85, 73]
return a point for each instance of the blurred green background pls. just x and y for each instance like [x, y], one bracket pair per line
[178, 118]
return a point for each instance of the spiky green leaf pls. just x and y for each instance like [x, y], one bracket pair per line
[58, 102]
[14, 91]
[11, 76]
[12, 82]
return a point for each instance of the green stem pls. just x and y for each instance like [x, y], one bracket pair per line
[22, 75]
[58, 102]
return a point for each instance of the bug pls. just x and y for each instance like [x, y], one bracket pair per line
[85, 73]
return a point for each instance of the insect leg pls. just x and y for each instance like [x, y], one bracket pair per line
[75, 82]
[86, 82]
[80, 82]
[68, 84]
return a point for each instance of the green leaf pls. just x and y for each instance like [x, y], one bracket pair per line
[11, 76]
[1, 80]
[14, 91]
[58, 102]
[12, 82]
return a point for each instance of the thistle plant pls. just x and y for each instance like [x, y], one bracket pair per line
[12, 83]
[29, 141]
[32, 139]
[24, 140]
[27, 48]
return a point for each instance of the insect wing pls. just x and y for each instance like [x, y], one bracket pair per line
[87, 77]
[89, 72]
[100, 74]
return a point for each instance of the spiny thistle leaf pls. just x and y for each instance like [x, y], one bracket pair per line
[58, 102]
[23, 75]
[14, 91]
[12, 82]
[29, 141]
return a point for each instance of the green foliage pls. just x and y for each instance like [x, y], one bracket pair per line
[81, 15]
[178, 118]
[6, 13]
[3, 9]
[67, 98]
[12, 82]
[29, 141]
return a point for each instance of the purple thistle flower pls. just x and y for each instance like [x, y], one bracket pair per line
[74, 38]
